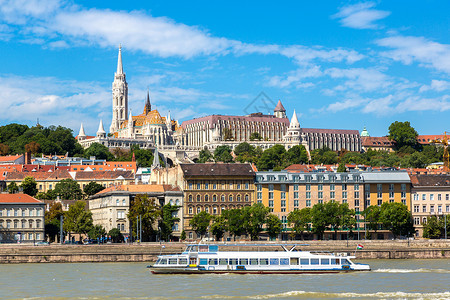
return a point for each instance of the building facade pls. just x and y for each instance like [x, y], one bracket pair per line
[21, 219]
[110, 207]
[430, 196]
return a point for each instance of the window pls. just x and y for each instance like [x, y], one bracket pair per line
[308, 195]
[391, 187]
[424, 208]
[274, 261]
[439, 197]
[403, 194]
[233, 261]
[320, 187]
[283, 195]
[356, 202]
[198, 186]
[344, 195]
[332, 195]
[439, 208]
[231, 185]
[321, 201]
[246, 198]
[190, 210]
[424, 197]
[206, 198]
[356, 195]
[253, 261]
[304, 261]
[198, 198]
[207, 209]
[230, 198]
[243, 261]
[295, 195]
[447, 208]
[124, 202]
[190, 198]
[206, 186]
[296, 203]
[199, 209]
[259, 195]
[447, 197]
[332, 187]
[416, 208]
[270, 187]
[295, 187]
[416, 220]
[190, 185]
[259, 187]
[270, 203]
[344, 187]
[356, 187]
[117, 202]
[416, 197]
[264, 261]
[214, 186]
[391, 194]
[215, 210]
[15, 213]
[431, 197]
[238, 198]
[379, 202]
[283, 203]
[403, 187]
[308, 187]
[431, 208]
[214, 198]
[222, 198]
[314, 261]
[325, 261]
[308, 203]
[320, 195]
[120, 214]
[270, 195]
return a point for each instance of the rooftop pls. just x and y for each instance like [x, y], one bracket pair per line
[232, 169]
[18, 198]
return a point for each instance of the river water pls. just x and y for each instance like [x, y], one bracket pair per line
[389, 279]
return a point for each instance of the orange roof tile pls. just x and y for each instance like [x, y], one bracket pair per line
[10, 157]
[18, 198]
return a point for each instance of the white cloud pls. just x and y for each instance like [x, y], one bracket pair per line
[409, 49]
[361, 16]
[344, 105]
[294, 76]
[436, 85]
[424, 104]
[360, 79]
[381, 106]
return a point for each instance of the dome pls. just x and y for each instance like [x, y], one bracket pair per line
[365, 132]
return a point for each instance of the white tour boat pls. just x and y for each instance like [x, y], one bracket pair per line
[201, 259]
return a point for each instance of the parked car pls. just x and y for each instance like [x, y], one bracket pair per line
[42, 243]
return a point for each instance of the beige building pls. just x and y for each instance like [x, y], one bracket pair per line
[430, 196]
[21, 218]
[110, 207]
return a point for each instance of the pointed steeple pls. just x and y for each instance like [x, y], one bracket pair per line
[130, 119]
[148, 106]
[294, 121]
[81, 133]
[101, 131]
[279, 111]
[119, 62]
[279, 106]
[156, 163]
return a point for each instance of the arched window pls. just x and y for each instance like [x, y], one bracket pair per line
[238, 198]
[214, 198]
[199, 209]
[207, 209]
[190, 198]
[198, 198]
[190, 210]
[230, 198]
[222, 198]
[206, 198]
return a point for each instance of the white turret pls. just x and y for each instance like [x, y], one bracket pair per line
[101, 131]
[81, 134]
[293, 133]
[130, 125]
[119, 96]
[169, 122]
[294, 122]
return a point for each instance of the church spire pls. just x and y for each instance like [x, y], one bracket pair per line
[156, 163]
[101, 131]
[119, 61]
[81, 133]
[148, 106]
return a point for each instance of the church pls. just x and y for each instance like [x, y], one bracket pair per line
[149, 129]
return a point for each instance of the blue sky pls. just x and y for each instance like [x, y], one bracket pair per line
[342, 65]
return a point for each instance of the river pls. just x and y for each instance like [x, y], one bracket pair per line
[389, 279]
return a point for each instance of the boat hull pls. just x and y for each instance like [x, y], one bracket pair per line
[204, 271]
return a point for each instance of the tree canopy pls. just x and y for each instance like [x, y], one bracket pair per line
[147, 209]
[200, 223]
[403, 134]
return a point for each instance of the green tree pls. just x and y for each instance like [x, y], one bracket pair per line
[235, 222]
[13, 188]
[403, 134]
[372, 217]
[29, 186]
[396, 218]
[243, 148]
[297, 155]
[116, 235]
[200, 223]
[78, 219]
[324, 156]
[204, 156]
[432, 229]
[147, 209]
[183, 235]
[332, 216]
[4, 149]
[96, 232]
[255, 217]
[299, 220]
[52, 220]
[273, 226]
[418, 160]
[218, 227]
[99, 151]
[223, 153]
[68, 189]
[341, 168]
[93, 188]
[319, 218]
[272, 158]
[168, 220]
[347, 218]
[255, 136]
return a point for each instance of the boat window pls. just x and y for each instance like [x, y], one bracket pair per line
[172, 261]
[194, 248]
[264, 261]
[163, 261]
[314, 261]
[182, 261]
[203, 261]
[188, 248]
[294, 260]
[274, 261]
[213, 248]
[243, 261]
[213, 261]
[335, 261]
[304, 261]
[233, 261]
[345, 261]
[253, 261]
[284, 261]
[223, 261]
[203, 248]
[158, 261]
[325, 261]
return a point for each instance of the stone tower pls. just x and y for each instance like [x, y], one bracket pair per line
[119, 96]
[279, 111]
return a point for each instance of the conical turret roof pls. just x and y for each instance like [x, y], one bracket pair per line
[119, 61]
[279, 107]
[81, 133]
[101, 130]
[294, 121]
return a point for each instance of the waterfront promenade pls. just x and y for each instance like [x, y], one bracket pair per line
[147, 252]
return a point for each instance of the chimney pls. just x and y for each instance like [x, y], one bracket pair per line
[28, 158]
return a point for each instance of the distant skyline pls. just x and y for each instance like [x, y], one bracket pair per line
[339, 65]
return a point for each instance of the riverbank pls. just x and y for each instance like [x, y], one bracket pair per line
[147, 252]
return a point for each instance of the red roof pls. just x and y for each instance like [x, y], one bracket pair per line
[18, 198]
[10, 157]
[279, 107]
[376, 141]
[427, 139]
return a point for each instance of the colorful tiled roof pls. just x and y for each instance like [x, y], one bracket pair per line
[57, 175]
[18, 198]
